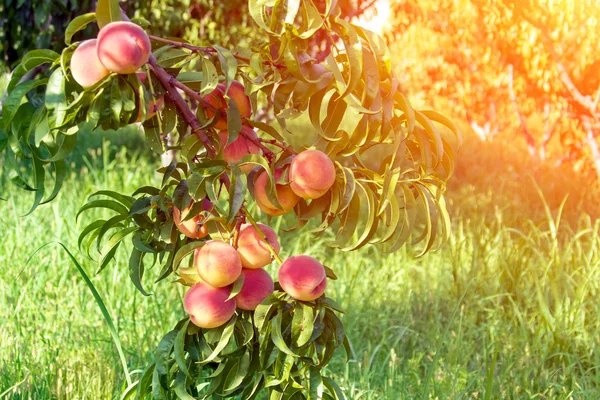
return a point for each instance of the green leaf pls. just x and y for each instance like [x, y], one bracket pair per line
[30, 61]
[306, 324]
[228, 65]
[277, 336]
[161, 356]
[179, 349]
[333, 388]
[13, 100]
[180, 386]
[136, 270]
[224, 341]
[237, 192]
[78, 23]
[109, 204]
[237, 287]
[316, 384]
[186, 250]
[108, 11]
[56, 98]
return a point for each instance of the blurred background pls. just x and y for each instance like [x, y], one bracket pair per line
[509, 308]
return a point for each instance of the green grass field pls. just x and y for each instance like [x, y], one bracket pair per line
[509, 308]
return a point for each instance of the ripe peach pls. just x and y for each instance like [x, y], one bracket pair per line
[287, 198]
[85, 65]
[253, 250]
[208, 306]
[312, 174]
[216, 99]
[193, 227]
[240, 147]
[218, 263]
[302, 277]
[257, 286]
[123, 47]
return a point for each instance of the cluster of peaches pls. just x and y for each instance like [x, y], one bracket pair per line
[122, 48]
[218, 264]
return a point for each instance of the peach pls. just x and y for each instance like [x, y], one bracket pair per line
[287, 198]
[302, 277]
[312, 174]
[257, 286]
[193, 227]
[216, 99]
[123, 47]
[208, 306]
[218, 263]
[240, 147]
[85, 65]
[253, 250]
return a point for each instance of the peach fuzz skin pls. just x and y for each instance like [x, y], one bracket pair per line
[302, 277]
[216, 99]
[85, 65]
[253, 250]
[218, 263]
[193, 227]
[208, 306]
[312, 174]
[239, 148]
[258, 285]
[123, 47]
[287, 198]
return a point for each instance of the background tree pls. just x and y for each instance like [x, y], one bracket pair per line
[528, 67]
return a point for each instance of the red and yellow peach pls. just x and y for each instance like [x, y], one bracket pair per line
[253, 250]
[287, 198]
[86, 68]
[218, 263]
[311, 174]
[257, 286]
[208, 306]
[302, 277]
[123, 47]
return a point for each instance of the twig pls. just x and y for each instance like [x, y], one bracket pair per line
[196, 96]
[207, 50]
[166, 81]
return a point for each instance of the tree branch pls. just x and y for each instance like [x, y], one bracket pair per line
[166, 81]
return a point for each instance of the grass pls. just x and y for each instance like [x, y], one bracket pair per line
[507, 309]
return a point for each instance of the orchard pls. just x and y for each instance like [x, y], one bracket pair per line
[376, 176]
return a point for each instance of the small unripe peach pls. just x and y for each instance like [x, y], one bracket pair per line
[208, 306]
[85, 65]
[258, 285]
[253, 250]
[312, 174]
[216, 100]
[287, 198]
[123, 47]
[240, 147]
[302, 277]
[218, 263]
[193, 227]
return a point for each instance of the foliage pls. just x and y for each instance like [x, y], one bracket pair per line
[528, 67]
[392, 163]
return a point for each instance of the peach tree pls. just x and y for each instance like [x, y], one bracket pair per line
[376, 174]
